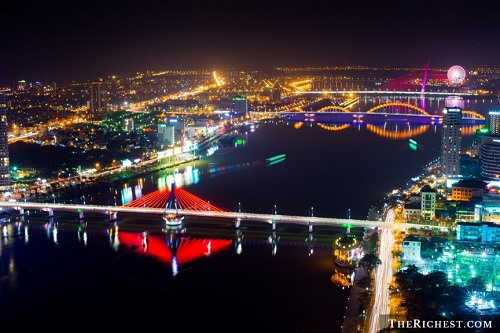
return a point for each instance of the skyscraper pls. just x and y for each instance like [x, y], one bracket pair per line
[166, 135]
[490, 157]
[428, 203]
[451, 137]
[494, 122]
[240, 105]
[4, 148]
[98, 101]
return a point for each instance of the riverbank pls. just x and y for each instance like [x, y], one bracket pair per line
[353, 321]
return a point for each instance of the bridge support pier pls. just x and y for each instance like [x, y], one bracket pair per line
[113, 216]
[21, 211]
[51, 212]
[274, 225]
[310, 228]
[237, 223]
[80, 215]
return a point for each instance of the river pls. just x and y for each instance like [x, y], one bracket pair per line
[207, 275]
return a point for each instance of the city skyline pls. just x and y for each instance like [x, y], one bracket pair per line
[82, 40]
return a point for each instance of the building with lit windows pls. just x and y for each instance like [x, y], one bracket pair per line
[4, 147]
[98, 101]
[411, 248]
[494, 122]
[428, 203]
[490, 157]
[128, 125]
[485, 232]
[240, 105]
[467, 189]
[477, 141]
[451, 136]
[166, 135]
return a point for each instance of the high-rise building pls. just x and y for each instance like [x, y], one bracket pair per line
[276, 95]
[128, 125]
[494, 122]
[477, 141]
[428, 203]
[451, 137]
[166, 135]
[490, 157]
[4, 147]
[98, 101]
[240, 105]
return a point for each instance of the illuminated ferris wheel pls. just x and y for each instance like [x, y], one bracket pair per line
[456, 74]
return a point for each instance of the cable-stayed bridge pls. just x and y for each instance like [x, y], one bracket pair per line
[189, 205]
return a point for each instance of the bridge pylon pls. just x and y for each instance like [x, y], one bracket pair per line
[172, 203]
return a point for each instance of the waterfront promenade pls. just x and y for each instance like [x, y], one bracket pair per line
[352, 322]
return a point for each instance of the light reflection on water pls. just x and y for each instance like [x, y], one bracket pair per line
[115, 271]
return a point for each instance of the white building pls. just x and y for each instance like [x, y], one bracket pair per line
[166, 135]
[411, 248]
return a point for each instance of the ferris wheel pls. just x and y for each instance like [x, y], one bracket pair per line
[456, 74]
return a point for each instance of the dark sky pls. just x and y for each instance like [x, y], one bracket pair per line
[84, 39]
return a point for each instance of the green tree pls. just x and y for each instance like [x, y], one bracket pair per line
[477, 283]
[369, 262]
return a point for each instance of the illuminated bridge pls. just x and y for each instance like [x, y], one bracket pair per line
[386, 92]
[191, 205]
[390, 108]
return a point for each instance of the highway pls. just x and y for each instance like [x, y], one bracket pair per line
[383, 277]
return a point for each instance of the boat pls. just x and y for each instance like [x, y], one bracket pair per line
[275, 159]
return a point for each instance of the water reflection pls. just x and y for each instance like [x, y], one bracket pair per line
[114, 240]
[82, 232]
[189, 176]
[173, 248]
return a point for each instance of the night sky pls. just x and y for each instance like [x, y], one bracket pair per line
[56, 40]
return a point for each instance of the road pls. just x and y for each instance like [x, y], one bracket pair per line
[266, 218]
[383, 277]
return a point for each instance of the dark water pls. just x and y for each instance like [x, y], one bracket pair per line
[61, 276]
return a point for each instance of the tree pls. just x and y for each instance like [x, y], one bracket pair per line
[365, 282]
[477, 284]
[412, 230]
[369, 262]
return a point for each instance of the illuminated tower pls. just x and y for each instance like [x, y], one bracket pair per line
[4, 148]
[98, 101]
[451, 136]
